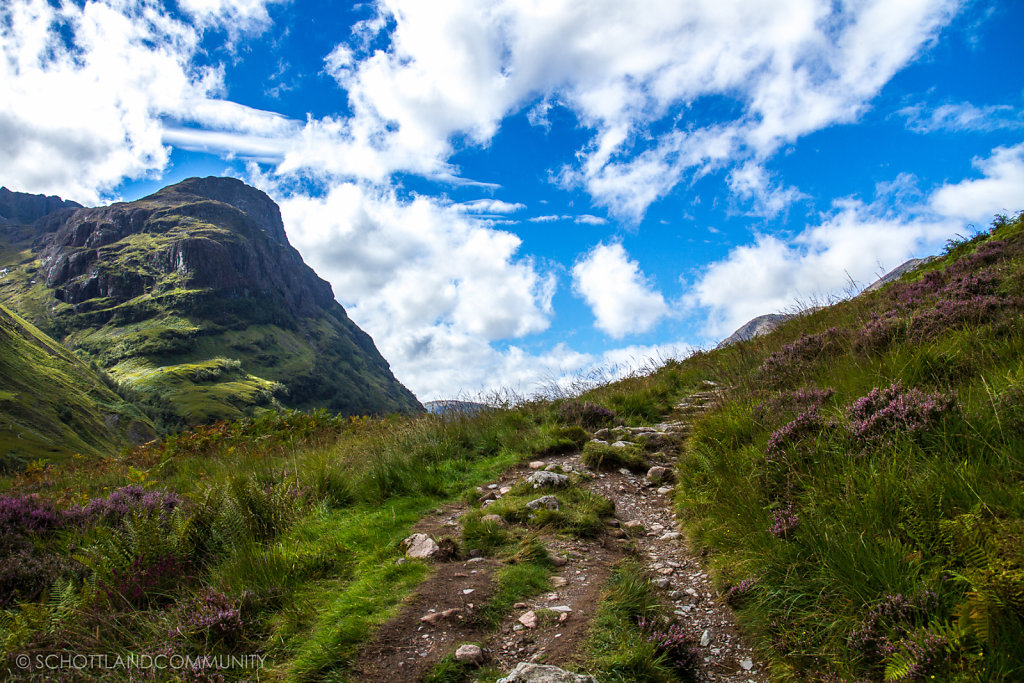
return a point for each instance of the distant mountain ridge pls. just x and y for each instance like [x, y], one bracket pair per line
[193, 299]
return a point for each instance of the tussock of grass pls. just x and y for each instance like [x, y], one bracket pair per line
[599, 456]
[618, 649]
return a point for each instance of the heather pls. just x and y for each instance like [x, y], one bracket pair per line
[855, 493]
[865, 468]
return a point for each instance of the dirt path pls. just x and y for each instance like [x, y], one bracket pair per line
[426, 629]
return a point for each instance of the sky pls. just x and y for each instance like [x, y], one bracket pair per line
[521, 196]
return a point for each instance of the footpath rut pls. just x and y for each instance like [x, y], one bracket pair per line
[439, 616]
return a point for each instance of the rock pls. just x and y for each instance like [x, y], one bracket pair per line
[490, 495]
[494, 519]
[537, 465]
[504, 490]
[705, 638]
[558, 581]
[520, 605]
[549, 502]
[561, 608]
[470, 654]
[435, 617]
[659, 474]
[747, 664]
[528, 619]
[603, 433]
[670, 536]
[474, 560]
[600, 442]
[661, 583]
[543, 479]
[559, 561]
[665, 490]
[420, 547]
[622, 444]
[527, 672]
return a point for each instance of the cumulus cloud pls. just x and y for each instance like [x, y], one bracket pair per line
[854, 245]
[84, 88]
[432, 285]
[999, 190]
[618, 293]
[94, 93]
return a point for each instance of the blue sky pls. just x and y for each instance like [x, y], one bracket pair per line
[518, 194]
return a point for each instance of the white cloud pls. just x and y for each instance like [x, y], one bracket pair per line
[752, 182]
[489, 206]
[81, 107]
[430, 284]
[622, 299]
[962, 116]
[455, 70]
[237, 17]
[587, 219]
[858, 242]
[1000, 190]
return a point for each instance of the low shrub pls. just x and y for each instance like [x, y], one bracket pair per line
[586, 414]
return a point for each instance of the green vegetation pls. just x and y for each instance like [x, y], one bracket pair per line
[621, 646]
[52, 405]
[856, 490]
[198, 312]
[860, 488]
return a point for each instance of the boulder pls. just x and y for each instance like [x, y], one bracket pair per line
[537, 465]
[659, 474]
[526, 672]
[542, 479]
[420, 547]
[549, 502]
[470, 654]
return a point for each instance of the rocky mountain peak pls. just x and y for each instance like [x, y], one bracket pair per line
[260, 208]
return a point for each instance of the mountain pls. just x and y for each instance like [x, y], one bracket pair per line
[53, 404]
[762, 324]
[193, 300]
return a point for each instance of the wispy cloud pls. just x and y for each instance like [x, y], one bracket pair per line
[962, 117]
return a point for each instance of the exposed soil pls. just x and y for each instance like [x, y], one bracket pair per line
[406, 647]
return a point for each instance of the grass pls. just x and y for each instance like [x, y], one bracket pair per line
[856, 491]
[618, 648]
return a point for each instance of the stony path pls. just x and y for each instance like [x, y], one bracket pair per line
[439, 617]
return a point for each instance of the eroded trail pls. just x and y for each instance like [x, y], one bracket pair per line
[552, 627]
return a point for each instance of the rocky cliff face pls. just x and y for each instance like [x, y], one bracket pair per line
[199, 273]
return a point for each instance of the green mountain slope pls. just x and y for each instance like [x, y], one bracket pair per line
[53, 404]
[193, 299]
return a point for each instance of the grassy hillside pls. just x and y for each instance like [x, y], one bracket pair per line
[53, 405]
[858, 494]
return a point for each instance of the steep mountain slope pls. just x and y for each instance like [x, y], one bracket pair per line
[193, 298]
[52, 404]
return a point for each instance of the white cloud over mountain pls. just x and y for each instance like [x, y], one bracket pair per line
[852, 246]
